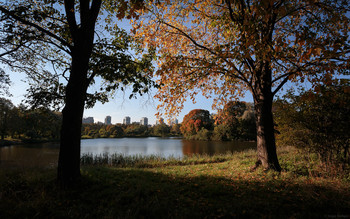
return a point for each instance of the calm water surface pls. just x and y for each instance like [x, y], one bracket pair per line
[47, 154]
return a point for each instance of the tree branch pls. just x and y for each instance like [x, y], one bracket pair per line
[285, 80]
[11, 51]
[70, 13]
[95, 9]
[205, 48]
[22, 20]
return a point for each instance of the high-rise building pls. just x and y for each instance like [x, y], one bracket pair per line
[88, 120]
[126, 120]
[108, 120]
[144, 121]
[173, 122]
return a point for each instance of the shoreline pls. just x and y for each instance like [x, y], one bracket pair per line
[7, 143]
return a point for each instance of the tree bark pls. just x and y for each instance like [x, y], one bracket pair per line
[69, 156]
[263, 99]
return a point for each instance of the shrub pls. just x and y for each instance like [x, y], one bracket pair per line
[203, 134]
[317, 122]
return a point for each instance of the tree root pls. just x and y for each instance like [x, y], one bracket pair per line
[258, 163]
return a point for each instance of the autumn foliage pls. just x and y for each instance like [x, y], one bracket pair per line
[222, 47]
[231, 111]
[194, 121]
[235, 121]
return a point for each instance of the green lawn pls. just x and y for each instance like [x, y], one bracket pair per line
[197, 187]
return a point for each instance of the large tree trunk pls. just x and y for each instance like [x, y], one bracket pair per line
[263, 99]
[266, 145]
[69, 157]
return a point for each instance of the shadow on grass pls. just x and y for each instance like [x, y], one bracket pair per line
[141, 193]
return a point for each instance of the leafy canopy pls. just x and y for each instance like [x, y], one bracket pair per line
[194, 121]
[224, 48]
[36, 39]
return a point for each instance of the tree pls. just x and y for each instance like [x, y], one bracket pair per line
[6, 107]
[224, 48]
[9, 45]
[175, 129]
[235, 121]
[161, 130]
[4, 82]
[317, 122]
[33, 123]
[248, 126]
[69, 41]
[117, 131]
[136, 130]
[194, 121]
[229, 118]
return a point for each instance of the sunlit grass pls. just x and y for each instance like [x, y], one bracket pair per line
[149, 161]
[197, 187]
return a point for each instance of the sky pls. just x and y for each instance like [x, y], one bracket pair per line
[120, 106]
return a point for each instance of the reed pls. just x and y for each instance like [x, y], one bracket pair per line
[149, 161]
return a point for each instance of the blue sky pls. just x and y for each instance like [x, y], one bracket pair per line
[118, 107]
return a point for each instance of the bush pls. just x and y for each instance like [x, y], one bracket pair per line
[203, 134]
[317, 122]
[220, 133]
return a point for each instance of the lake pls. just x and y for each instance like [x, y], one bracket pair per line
[46, 154]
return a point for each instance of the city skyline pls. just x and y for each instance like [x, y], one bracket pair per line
[127, 121]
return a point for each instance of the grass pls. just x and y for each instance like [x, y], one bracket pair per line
[149, 161]
[197, 187]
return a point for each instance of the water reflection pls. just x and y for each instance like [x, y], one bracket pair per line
[131, 146]
[47, 154]
[29, 155]
[214, 147]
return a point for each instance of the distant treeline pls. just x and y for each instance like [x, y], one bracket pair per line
[28, 124]
[132, 130]
[44, 124]
[235, 122]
